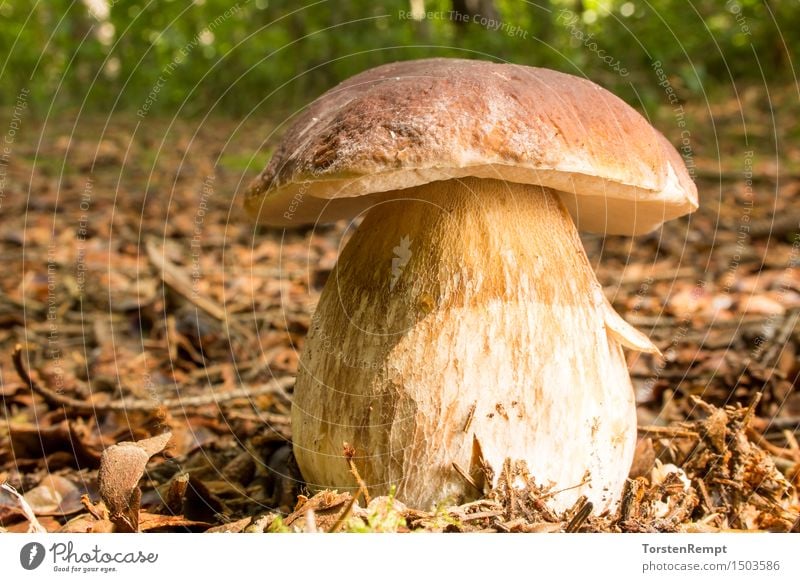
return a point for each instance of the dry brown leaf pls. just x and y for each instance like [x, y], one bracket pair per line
[233, 527]
[55, 495]
[155, 522]
[33, 525]
[87, 523]
[326, 506]
[47, 523]
[33, 442]
[121, 467]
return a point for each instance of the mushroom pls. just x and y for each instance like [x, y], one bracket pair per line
[463, 324]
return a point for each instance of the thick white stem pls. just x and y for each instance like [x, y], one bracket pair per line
[464, 321]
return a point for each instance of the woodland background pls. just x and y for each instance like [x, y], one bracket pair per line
[136, 298]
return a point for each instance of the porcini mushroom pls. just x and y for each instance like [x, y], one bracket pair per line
[463, 324]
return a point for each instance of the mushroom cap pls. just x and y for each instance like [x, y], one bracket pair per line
[410, 123]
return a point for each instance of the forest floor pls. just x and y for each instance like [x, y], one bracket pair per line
[144, 301]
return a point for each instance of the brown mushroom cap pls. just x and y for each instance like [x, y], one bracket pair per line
[414, 122]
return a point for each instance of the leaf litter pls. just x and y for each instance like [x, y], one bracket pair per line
[144, 303]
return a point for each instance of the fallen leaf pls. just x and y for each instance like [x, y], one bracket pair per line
[34, 442]
[233, 527]
[155, 522]
[326, 507]
[33, 524]
[55, 495]
[87, 523]
[121, 467]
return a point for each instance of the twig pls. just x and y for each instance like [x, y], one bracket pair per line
[751, 410]
[768, 356]
[669, 431]
[655, 274]
[675, 375]
[745, 322]
[630, 499]
[774, 450]
[348, 508]
[464, 475]
[774, 227]
[650, 320]
[701, 485]
[578, 519]
[274, 386]
[260, 417]
[481, 515]
[794, 446]
[470, 416]
[586, 479]
[349, 453]
[788, 422]
[735, 175]
[174, 277]
[54, 398]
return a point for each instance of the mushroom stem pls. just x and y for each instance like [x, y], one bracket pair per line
[464, 325]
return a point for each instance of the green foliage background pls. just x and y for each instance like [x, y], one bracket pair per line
[259, 56]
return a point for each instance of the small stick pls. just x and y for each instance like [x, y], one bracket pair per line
[345, 513]
[480, 515]
[274, 386]
[262, 417]
[470, 416]
[704, 492]
[53, 398]
[349, 453]
[175, 278]
[586, 479]
[780, 340]
[775, 450]
[578, 519]
[794, 446]
[668, 431]
[789, 422]
[464, 475]
[675, 375]
[751, 410]
[629, 497]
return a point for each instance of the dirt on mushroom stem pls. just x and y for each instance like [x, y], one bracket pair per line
[463, 325]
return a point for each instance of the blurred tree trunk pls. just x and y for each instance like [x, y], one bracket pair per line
[80, 24]
[423, 29]
[543, 17]
[467, 9]
[778, 50]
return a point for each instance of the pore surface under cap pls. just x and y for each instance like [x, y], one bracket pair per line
[414, 122]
